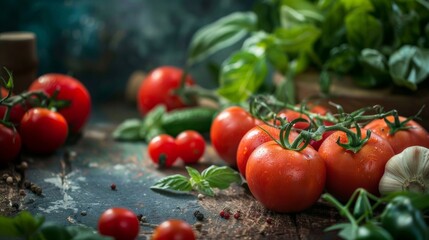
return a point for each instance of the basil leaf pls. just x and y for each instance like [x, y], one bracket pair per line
[293, 12]
[409, 66]
[342, 59]
[241, 75]
[8, 227]
[128, 130]
[220, 34]
[299, 38]
[26, 224]
[204, 188]
[363, 30]
[51, 230]
[221, 177]
[83, 233]
[175, 182]
[374, 66]
[194, 174]
[361, 5]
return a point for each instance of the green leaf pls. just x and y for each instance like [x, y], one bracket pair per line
[360, 5]
[293, 12]
[194, 174]
[363, 30]
[374, 69]
[175, 182]
[299, 38]
[204, 188]
[362, 206]
[50, 230]
[325, 81]
[220, 34]
[84, 233]
[409, 66]
[338, 226]
[221, 177]
[342, 59]
[8, 227]
[128, 130]
[241, 75]
[26, 224]
[348, 232]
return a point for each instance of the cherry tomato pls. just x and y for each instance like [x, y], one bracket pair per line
[10, 142]
[163, 150]
[71, 89]
[416, 135]
[253, 138]
[285, 180]
[173, 229]
[347, 171]
[119, 223]
[227, 129]
[158, 88]
[291, 115]
[191, 146]
[43, 131]
[3, 92]
[15, 115]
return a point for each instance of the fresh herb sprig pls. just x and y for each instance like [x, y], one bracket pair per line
[220, 177]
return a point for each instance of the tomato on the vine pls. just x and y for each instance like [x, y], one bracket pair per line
[158, 88]
[347, 171]
[3, 92]
[414, 135]
[285, 180]
[173, 229]
[253, 138]
[162, 150]
[119, 223]
[10, 144]
[191, 146]
[291, 115]
[69, 89]
[43, 131]
[227, 129]
[15, 115]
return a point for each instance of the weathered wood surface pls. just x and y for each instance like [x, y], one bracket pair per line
[76, 184]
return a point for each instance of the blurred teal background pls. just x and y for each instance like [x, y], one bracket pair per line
[101, 42]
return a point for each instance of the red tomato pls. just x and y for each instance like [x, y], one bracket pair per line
[347, 171]
[10, 142]
[173, 229]
[227, 129]
[163, 150]
[416, 135]
[3, 92]
[285, 180]
[191, 146]
[291, 115]
[253, 139]
[158, 88]
[15, 115]
[43, 131]
[71, 89]
[119, 223]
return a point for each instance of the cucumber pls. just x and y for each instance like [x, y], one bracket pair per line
[196, 118]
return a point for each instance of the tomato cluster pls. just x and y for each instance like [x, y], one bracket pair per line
[287, 171]
[40, 120]
[164, 150]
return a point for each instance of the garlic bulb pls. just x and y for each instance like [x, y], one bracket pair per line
[407, 171]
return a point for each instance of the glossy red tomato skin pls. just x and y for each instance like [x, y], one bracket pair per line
[191, 146]
[173, 229]
[283, 180]
[227, 129]
[163, 150]
[15, 115]
[119, 223]
[291, 115]
[253, 138]
[71, 89]
[416, 135]
[158, 88]
[347, 171]
[10, 142]
[43, 131]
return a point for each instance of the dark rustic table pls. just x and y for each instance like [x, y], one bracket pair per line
[76, 184]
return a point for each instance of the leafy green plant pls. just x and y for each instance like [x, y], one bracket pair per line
[378, 42]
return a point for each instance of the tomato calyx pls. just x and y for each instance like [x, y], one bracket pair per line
[355, 140]
[397, 125]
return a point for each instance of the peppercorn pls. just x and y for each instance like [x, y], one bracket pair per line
[269, 220]
[237, 215]
[139, 217]
[199, 215]
[9, 180]
[403, 221]
[113, 186]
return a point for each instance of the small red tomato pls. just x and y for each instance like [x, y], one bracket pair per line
[291, 115]
[15, 115]
[3, 92]
[70, 89]
[227, 129]
[119, 223]
[158, 88]
[415, 135]
[191, 146]
[10, 142]
[173, 229]
[253, 139]
[163, 150]
[43, 131]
